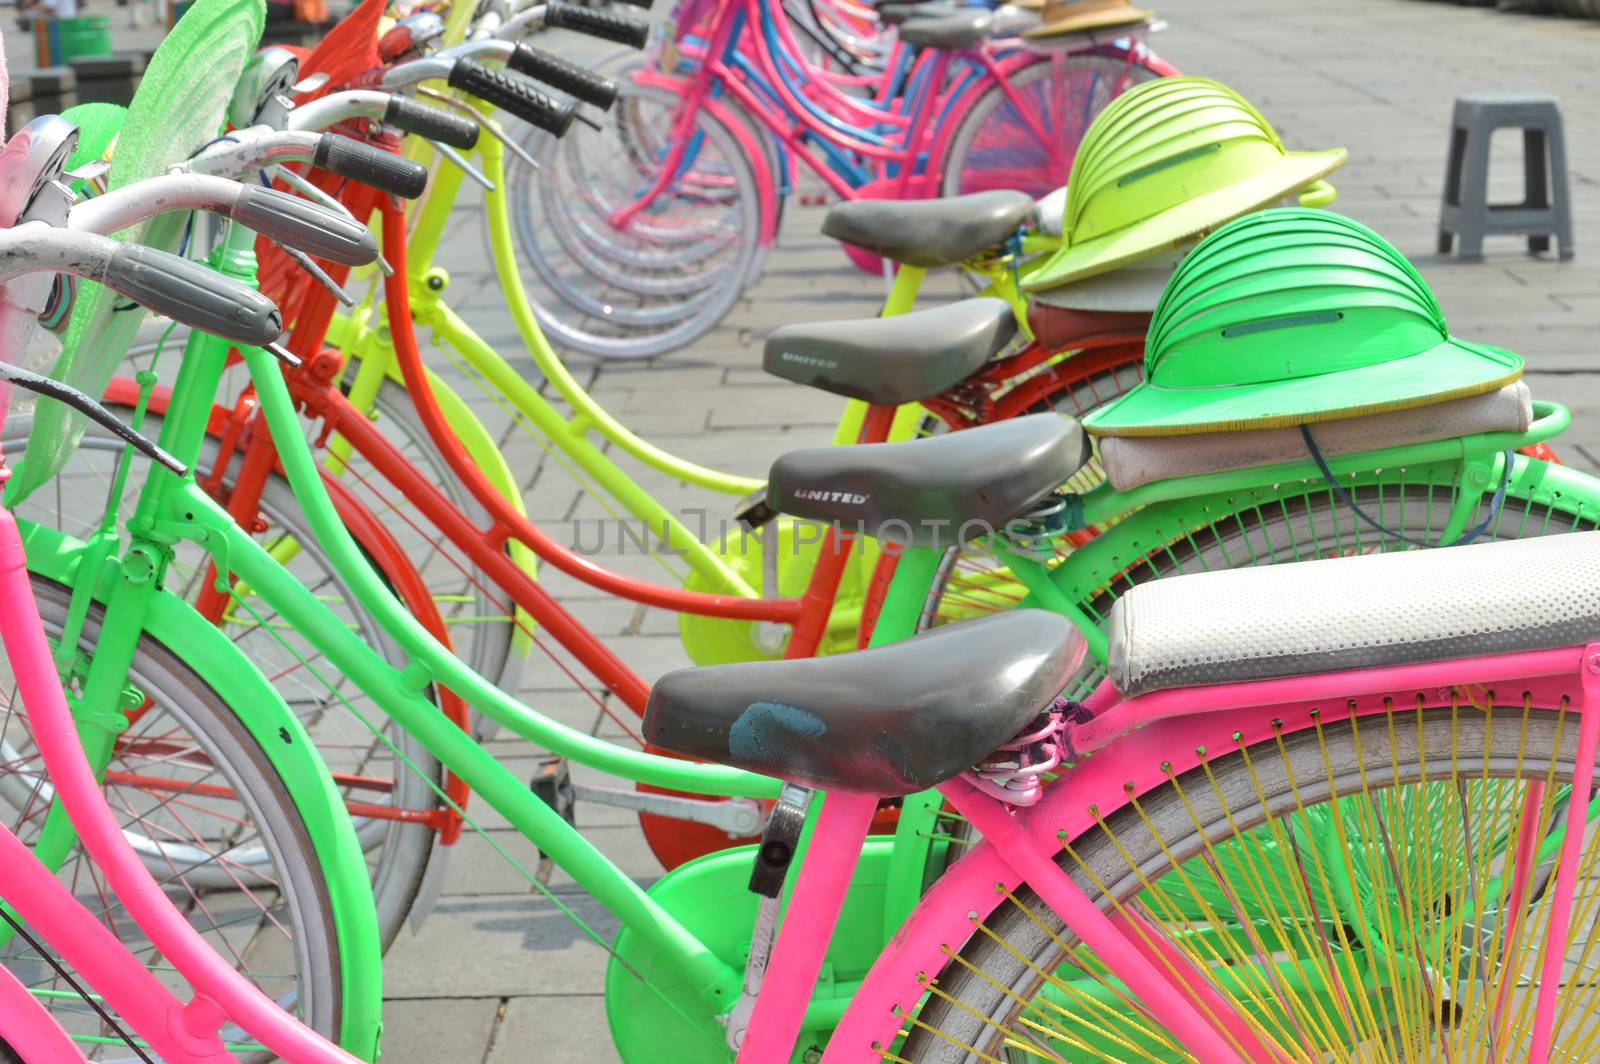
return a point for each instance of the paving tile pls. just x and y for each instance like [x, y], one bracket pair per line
[430, 1030]
[501, 945]
[566, 1029]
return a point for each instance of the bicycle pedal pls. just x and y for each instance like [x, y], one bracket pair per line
[552, 785]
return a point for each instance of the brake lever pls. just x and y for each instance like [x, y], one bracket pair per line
[283, 354]
[307, 189]
[84, 404]
[318, 274]
[495, 129]
[467, 168]
[300, 184]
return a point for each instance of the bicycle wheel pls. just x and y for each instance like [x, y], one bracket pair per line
[996, 146]
[675, 270]
[1343, 886]
[195, 792]
[326, 702]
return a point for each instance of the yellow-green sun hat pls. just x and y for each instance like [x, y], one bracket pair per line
[1294, 316]
[1165, 163]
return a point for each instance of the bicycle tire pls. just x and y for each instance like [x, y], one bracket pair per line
[541, 258]
[180, 702]
[1336, 788]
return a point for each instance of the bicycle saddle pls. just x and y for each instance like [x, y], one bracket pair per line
[888, 721]
[894, 14]
[933, 232]
[948, 32]
[933, 492]
[892, 360]
[1363, 612]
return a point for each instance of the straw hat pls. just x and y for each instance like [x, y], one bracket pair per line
[1165, 163]
[1076, 16]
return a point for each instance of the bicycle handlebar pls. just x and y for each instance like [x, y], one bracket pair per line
[194, 294]
[512, 93]
[276, 215]
[607, 25]
[244, 151]
[397, 111]
[431, 122]
[370, 166]
[182, 290]
[570, 78]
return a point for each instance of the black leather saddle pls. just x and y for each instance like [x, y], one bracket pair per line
[894, 14]
[930, 232]
[948, 31]
[889, 721]
[936, 491]
[893, 360]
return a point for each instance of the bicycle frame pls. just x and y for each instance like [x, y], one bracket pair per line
[1153, 736]
[181, 1031]
[1017, 847]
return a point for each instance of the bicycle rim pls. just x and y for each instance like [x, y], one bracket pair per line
[680, 265]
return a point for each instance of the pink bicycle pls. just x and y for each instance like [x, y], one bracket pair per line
[640, 235]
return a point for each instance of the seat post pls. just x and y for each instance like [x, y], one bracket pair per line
[819, 892]
[877, 423]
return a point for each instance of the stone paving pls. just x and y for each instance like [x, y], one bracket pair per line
[497, 974]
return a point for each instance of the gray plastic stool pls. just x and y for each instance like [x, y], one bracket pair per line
[1545, 211]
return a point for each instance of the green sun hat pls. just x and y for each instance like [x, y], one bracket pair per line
[1164, 164]
[1293, 316]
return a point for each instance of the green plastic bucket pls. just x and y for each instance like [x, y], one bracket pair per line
[59, 39]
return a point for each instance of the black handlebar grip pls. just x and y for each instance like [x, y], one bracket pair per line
[637, 3]
[305, 225]
[431, 122]
[193, 294]
[607, 25]
[370, 166]
[570, 78]
[510, 93]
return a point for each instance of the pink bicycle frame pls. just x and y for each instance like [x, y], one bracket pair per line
[1144, 739]
[925, 141]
